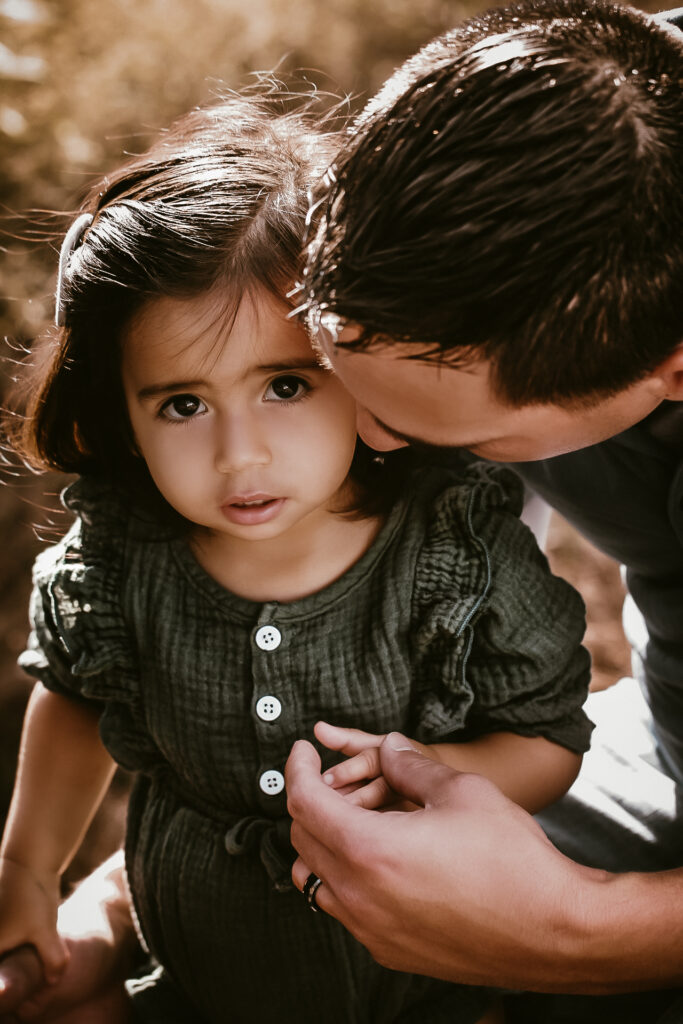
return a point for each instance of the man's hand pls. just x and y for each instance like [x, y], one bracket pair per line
[466, 888]
[360, 777]
[21, 974]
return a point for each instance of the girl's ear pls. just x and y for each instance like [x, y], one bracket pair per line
[669, 374]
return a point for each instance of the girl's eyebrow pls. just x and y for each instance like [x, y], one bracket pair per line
[295, 363]
[298, 363]
[154, 390]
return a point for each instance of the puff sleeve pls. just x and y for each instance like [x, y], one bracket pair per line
[79, 644]
[497, 637]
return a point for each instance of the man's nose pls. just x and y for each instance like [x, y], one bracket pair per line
[374, 435]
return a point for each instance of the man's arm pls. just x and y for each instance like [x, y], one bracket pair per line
[469, 888]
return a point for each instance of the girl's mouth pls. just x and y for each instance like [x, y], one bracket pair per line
[252, 511]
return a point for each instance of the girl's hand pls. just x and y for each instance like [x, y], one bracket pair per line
[360, 776]
[96, 926]
[28, 915]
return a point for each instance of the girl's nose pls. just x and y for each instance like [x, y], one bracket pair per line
[239, 445]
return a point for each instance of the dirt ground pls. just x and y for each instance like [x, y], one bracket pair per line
[598, 580]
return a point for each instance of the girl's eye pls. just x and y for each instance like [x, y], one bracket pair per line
[182, 407]
[286, 389]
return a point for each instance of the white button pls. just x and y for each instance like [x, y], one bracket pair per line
[272, 782]
[268, 638]
[268, 708]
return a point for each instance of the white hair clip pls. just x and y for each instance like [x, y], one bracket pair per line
[71, 241]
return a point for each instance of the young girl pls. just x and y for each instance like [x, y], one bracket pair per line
[238, 569]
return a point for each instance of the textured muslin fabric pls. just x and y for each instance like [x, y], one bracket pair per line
[450, 625]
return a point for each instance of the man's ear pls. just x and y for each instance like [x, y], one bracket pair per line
[669, 375]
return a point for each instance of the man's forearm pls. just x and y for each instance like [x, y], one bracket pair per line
[632, 932]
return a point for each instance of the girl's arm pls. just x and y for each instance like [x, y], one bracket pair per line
[63, 773]
[532, 771]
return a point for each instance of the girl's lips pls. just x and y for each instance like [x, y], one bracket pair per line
[253, 510]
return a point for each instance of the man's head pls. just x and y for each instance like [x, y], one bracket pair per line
[511, 203]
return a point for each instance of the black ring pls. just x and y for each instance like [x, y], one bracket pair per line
[311, 886]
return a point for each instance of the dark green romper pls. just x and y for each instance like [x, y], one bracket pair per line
[449, 626]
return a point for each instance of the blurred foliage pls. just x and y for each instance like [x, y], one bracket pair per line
[85, 81]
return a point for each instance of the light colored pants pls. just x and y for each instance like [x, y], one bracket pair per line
[624, 812]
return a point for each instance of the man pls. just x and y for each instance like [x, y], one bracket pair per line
[499, 267]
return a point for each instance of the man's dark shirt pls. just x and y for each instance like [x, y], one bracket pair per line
[626, 496]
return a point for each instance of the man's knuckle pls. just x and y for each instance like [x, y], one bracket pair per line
[471, 787]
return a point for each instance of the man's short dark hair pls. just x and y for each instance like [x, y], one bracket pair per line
[515, 192]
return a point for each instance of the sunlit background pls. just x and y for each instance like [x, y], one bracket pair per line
[85, 81]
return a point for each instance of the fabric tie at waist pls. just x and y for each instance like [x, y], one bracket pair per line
[270, 836]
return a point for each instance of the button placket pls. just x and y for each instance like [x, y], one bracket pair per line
[267, 707]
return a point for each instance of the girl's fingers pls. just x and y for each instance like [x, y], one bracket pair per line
[373, 796]
[363, 766]
[347, 741]
[54, 955]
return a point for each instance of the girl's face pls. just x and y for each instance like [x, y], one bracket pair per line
[244, 433]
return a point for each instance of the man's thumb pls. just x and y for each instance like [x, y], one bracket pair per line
[21, 973]
[408, 772]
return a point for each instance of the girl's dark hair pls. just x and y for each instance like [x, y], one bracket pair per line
[515, 193]
[220, 199]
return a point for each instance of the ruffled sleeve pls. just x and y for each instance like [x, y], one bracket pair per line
[79, 644]
[497, 637]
